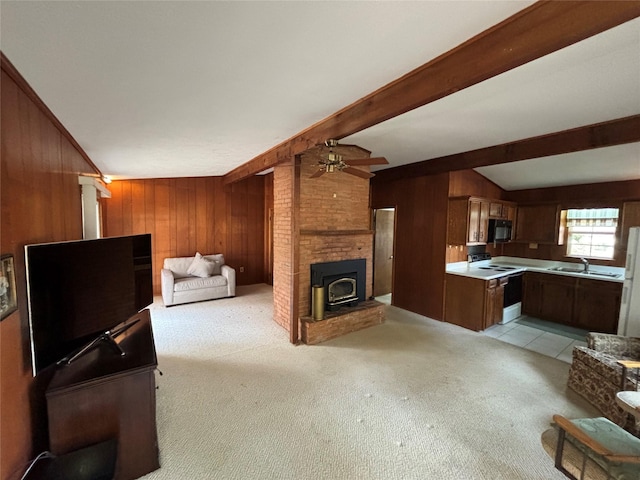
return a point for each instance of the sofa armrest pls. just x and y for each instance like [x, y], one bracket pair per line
[167, 281]
[230, 274]
[616, 345]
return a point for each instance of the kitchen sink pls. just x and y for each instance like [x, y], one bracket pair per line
[604, 274]
[581, 270]
[567, 269]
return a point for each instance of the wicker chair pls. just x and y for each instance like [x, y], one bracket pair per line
[596, 375]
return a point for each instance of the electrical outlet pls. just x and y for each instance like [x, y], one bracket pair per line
[241, 269]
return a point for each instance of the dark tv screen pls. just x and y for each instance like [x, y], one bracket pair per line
[78, 290]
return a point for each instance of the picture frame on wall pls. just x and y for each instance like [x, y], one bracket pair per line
[8, 299]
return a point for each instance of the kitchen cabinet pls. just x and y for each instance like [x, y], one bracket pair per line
[579, 302]
[558, 294]
[478, 221]
[597, 305]
[468, 221]
[532, 294]
[502, 210]
[494, 301]
[473, 303]
[537, 223]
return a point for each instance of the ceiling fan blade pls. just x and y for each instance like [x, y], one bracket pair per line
[317, 174]
[358, 173]
[368, 161]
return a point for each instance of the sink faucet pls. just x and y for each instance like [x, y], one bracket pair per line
[586, 264]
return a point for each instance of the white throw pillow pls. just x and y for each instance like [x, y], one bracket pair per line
[218, 261]
[201, 267]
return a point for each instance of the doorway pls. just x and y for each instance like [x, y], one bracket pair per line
[383, 253]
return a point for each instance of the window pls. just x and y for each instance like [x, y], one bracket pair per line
[591, 232]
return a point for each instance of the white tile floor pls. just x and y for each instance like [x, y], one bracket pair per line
[546, 343]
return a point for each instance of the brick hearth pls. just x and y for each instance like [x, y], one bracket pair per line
[341, 322]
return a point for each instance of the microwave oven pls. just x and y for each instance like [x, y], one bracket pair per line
[499, 231]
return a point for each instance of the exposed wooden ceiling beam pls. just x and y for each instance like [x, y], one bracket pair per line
[605, 134]
[540, 29]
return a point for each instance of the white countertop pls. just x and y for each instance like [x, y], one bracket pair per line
[530, 265]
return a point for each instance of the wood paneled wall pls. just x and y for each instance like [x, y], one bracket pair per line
[623, 195]
[575, 195]
[420, 240]
[41, 202]
[470, 182]
[189, 215]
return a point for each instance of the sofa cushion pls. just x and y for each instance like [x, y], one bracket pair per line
[217, 261]
[195, 283]
[201, 267]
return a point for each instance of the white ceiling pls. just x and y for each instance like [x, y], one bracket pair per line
[169, 89]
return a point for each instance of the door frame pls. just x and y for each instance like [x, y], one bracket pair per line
[393, 254]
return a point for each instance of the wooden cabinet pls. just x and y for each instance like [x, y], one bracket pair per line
[502, 210]
[532, 293]
[478, 221]
[494, 301]
[103, 396]
[473, 303]
[537, 223]
[579, 302]
[468, 221]
[558, 294]
[597, 305]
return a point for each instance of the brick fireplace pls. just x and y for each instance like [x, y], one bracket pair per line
[316, 220]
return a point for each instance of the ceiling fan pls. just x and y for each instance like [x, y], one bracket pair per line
[334, 162]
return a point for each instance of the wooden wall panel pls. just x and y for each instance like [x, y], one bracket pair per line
[41, 202]
[594, 192]
[421, 225]
[470, 182]
[189, 215]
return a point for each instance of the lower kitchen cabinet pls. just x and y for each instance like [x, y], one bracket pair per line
[473, 303]
[589, 304]
[558, 295]
[532, 294]
[597, 305]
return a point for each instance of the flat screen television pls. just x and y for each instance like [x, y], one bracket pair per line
[78, 290]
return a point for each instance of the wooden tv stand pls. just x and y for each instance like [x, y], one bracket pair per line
[102, 395]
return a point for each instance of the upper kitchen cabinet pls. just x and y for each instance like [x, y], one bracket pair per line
[469, 218]
[538, 223]
[468, 221]
[502, 210]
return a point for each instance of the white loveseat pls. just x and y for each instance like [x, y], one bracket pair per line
[193, 279]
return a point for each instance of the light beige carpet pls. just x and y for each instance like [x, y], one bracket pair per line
[413, 398]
